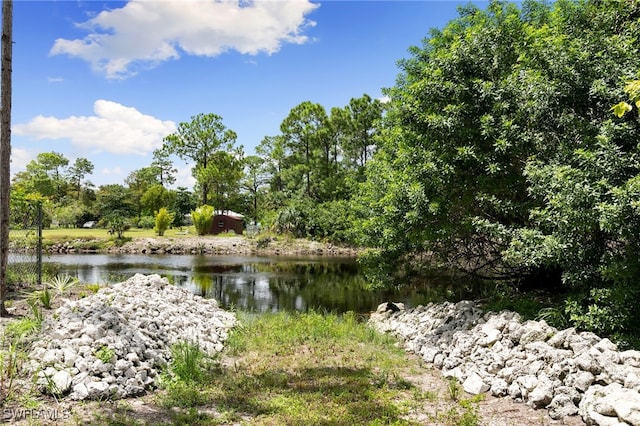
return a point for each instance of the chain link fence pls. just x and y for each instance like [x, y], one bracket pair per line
[24, 268]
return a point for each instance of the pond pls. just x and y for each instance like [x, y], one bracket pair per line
[256, 283]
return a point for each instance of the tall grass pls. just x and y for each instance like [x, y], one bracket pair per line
[298, 368]
[14, 343]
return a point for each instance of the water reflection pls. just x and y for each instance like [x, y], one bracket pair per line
[254, 283]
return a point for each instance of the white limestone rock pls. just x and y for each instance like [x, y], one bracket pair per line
[562, 406]
[474, 385]
[561, 370]
[62, 382]
[138, 320]
[542, 394]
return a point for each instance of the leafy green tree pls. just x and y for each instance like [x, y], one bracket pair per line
[271, 150]
[222, 177]
[183, 204]
[362, 116]
[138, 182]
[199, 141]
[68, 216]
[23, 206]
[45, 176]
[253, 181]
[317, 159]
[162, 165]
[305, 138]
[117, 224]
[80, 168]
[155, 198]
[115, 200]
[53, 163]
[497, 101]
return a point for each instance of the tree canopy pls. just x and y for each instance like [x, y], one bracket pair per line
[200, 140]
[500, 155]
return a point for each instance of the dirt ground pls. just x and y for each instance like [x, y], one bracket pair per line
[492, 411]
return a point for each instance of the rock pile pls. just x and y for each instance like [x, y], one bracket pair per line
[112, 344]
[566, 372]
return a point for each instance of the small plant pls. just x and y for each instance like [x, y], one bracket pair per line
[163, 219]
[15, 340]
[555, 317]
[454, 389]
[24, 327]
[36, 313]
[44, 297]
[201, 248]
[92, 287]
[104, 354]
[62, 283]
[187, 361]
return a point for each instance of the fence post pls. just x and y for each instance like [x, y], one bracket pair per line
[39, 245]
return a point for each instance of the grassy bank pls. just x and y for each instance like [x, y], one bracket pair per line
[292, 369]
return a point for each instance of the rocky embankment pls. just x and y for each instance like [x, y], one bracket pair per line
[566, 372]
[207, 245]
[111, 345]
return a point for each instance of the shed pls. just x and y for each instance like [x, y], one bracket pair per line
[227, 221]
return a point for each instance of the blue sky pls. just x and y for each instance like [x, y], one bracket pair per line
[108, 80]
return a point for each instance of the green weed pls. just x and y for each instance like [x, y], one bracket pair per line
[104, 354]
[92, 287]
[454, 389]
[187, 361]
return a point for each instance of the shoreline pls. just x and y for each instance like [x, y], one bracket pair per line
[143, 403]
[206, 245]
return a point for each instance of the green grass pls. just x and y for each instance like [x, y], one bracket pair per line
[15, 339]
[103, 233]
[300, 369]
[289, 369]
[59, 234]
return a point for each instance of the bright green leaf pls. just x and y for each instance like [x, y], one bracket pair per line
[621, 109]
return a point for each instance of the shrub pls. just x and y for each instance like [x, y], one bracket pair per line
[146, 222]
[117, 225]
[163, 220]
[202, 218]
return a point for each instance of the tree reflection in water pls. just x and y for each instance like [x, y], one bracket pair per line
[262, 284]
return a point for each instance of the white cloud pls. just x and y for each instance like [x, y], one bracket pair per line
[144, 33]
[184, 177]
[114, 128]
[112, 171]
[20, 158]
[55, 79]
